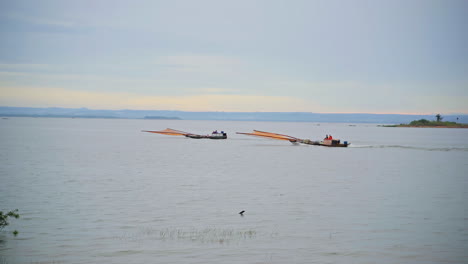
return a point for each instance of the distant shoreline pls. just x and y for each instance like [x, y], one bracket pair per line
[54, 112]
[162, 117]
[455, 126]
[424, 123]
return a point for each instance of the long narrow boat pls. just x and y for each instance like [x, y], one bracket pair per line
[173, 132]
[325, 142]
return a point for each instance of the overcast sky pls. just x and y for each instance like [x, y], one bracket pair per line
[212, 55]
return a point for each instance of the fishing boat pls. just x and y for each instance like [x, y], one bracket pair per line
[217, 135]
[173, 132]
[294, 140]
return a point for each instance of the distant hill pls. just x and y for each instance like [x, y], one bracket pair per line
[228, 116]
[162, 117]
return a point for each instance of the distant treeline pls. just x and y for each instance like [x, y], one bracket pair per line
[428, 123]
[424, 122]
[225, 116]
[163, 117]
[55, 116]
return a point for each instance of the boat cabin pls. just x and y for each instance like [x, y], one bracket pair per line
[218, 135]
[331, 142]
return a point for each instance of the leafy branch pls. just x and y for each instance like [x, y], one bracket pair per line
[4, 219]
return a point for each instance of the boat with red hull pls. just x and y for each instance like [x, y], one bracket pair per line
[326, 142]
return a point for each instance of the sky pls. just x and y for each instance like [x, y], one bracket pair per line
[347, 56]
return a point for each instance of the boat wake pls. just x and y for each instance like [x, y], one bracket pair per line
[412, 147]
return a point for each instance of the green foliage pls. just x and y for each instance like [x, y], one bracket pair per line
[439, 118]
[420, 122]
[4, 219]
[428, 123]
[424, 122]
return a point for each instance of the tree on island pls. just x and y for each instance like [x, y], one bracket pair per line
[4, 219]
[436, 123]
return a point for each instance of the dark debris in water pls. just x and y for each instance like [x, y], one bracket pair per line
[206, 235]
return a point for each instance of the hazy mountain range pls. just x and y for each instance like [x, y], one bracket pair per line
[229, 116]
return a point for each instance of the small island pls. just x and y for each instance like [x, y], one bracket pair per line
[438, 123]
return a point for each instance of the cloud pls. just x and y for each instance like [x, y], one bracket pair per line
[58, 97]
[216, 91]
[200, 63]
[39, 20]
[193, 92]
[24, 66]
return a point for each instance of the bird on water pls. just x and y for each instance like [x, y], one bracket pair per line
[242, 212]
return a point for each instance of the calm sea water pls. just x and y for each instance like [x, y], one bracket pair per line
[101, 191]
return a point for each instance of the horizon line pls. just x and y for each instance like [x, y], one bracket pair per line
[218, 111]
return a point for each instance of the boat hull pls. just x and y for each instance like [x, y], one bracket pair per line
[336, 146]
[195, 136]
[223, 136]
[333, 143]
[325, 143]
[215, 137]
